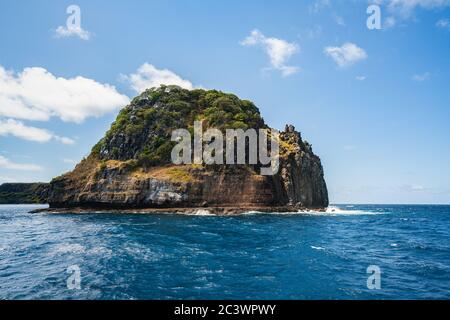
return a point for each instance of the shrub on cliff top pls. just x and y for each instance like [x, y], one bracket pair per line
[142, 130]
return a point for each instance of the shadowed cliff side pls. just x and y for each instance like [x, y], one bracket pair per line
[131, 166]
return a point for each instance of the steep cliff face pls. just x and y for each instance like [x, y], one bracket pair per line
[131, 167]
[301, 172]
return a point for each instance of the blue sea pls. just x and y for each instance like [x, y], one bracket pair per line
[251, 256]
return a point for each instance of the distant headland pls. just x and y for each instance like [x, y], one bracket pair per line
[24, 193]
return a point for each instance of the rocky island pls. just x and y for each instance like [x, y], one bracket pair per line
[130, 168]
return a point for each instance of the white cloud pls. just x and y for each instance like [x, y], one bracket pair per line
[148, 76]
[406, 8]
[346, 55]
[319, 5]
[360, 78]
[397, 11]
[64, 140]
[278, 50]
[443, 23]
[36, 94]
[314, 32]
[65, 32]
[7, 164]
[17, 129]
[421, 77]
[389, 22]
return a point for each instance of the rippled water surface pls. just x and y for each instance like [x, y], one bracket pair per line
[253, 256]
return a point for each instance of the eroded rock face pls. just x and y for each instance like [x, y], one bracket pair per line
[301, 172]
[300, 182]
[114, 175]
[157, 188]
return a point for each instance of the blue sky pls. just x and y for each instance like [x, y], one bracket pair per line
[374, 103]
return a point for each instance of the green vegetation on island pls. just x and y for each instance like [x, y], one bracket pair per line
[147, 123]
[23, 193]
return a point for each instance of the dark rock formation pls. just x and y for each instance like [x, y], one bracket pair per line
[131, 168]
[302, 177]
[24, 193]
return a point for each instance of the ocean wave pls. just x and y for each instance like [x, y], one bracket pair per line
[100, 250]
[330, 211]
[203, 212]
[394, 245]
[74, 248]
[199, 212]
[335, 211]
[253, 212]
[144, 253]
[69, 248]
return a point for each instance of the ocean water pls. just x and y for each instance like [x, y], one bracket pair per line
[252, 256]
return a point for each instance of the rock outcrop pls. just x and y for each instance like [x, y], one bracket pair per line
[131, 167]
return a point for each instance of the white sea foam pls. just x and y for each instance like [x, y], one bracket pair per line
[336, 211]
[317, 248]
[199, 212]
[330, 211]
[203, 212]
[100, 250]
[142, 252]
[74, 248]
[70, 248]
[253, 212]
